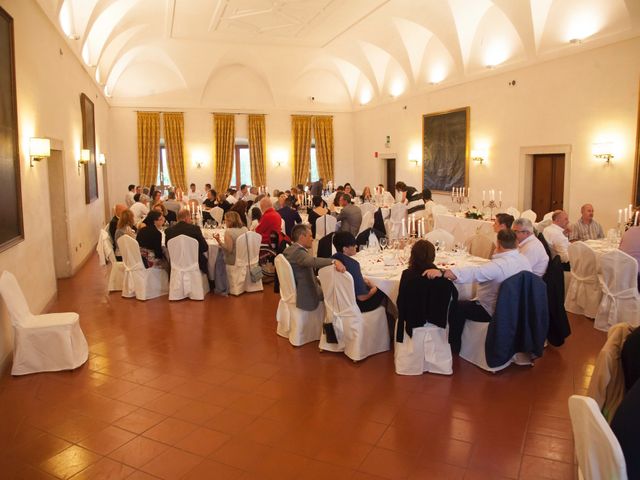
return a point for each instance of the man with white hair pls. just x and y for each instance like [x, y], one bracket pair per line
[586, 228]
[530, 246]
[140, 208]
[556, 236]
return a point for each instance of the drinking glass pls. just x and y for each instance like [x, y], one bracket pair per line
[383, 242]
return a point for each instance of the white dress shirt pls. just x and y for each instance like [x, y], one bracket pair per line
[194, 196]
[490, 275]
[558, 241]
[128, 199]
[533, 249]
[140, 211]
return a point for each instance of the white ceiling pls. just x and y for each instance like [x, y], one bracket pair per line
[320, 54]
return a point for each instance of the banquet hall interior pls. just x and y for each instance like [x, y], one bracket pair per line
[209, 389]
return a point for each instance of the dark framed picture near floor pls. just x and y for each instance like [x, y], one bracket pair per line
[89, 143]
[11, 226]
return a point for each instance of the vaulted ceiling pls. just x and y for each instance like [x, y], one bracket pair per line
[320, 54]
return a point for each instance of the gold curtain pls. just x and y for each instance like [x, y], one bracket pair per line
[148, 147]
[174, 143]
[323, 129]
[301, 137]
[257, 143]
[223, 146]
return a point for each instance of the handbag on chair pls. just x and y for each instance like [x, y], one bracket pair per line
[255, 271]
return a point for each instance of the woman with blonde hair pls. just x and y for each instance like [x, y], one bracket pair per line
[125, 227]
[234, 229]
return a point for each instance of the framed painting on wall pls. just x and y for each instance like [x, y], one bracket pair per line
[89, 143]
[445, 149]
[11, 226]
[636, 178]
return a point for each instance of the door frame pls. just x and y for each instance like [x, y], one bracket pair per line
[57, 144]
[526, 173]
[384, 157]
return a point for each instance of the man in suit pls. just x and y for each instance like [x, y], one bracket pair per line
[185, 227]
[308, 291]
[350, 216]
[290, 216]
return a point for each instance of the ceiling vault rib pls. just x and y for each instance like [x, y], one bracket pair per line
[170, 19]
[216, 17]
[349, 27]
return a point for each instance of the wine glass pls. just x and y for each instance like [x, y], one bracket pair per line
[383, 242]
[437, 245]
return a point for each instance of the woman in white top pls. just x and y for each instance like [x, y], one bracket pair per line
[234, 229]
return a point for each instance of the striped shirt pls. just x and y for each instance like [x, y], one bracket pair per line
[415, 200]
[586, 231]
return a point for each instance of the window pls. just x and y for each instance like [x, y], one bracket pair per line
[242, 164]
[163, 171]
[313, 173]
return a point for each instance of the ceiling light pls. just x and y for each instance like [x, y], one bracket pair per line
[365, 97]
[575, 41]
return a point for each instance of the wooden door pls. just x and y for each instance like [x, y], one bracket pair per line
[548, 183]
[391, 175]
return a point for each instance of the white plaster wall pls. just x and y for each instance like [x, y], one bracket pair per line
[575, 101]
[198, 137]
[49, 85]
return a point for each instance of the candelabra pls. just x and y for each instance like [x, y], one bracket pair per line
[460, 200]
[491, 206]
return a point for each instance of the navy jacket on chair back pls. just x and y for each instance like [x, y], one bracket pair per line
[521, 320]
[559, 328]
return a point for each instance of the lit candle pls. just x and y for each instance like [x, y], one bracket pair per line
[625, 215]
[500, 193]
[620, 216]
[413, 223]
[630, 210]
[403, 233]
[635, 220]
[483, 195]
[469, 192]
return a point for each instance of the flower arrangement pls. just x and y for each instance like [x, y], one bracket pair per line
[474, 214]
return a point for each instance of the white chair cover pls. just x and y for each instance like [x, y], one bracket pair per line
[299, 326]
[140, 282]
[102, 254]
[545, 222]
[186, 278]
[217, 214]
[116, 272]
[367, 222]
[394, 224]
[480, 245]
[324, 225]
[584, 292]
[359, 334]
[42, 343]
[427, 351]
[247, 253]
[620, 299]
[597, 448]
[367, 207]
[439, 210]
[529, 215]
[441, 236]
[514, 212]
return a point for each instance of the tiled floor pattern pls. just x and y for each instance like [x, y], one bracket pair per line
[207, 390]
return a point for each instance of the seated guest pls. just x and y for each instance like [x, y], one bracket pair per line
[317, 212]
[240, 207]
[350, 216]
[586, 228]
[625, 426]
[401, 192]
[209, 203]
[128, 199]
[270, 222]
[422, 299]
[289, 215]
[150, 240]
[387, 197]
[252, 195]
[140, 208]
[503, 221]
[282, 199]
[335, 203]
[172, 204]
[243, 192]
[556, 236]
[231, 196]
[368, 297]
[530, 246]
[415, 201]
[317, 188]
[157, 197]
[126, 226]
[506, 262]
[113, 223]
[256, 215]
[366, 195]
[348, 189]
[223, 203]
[308, 291]
[193, 194]
[332, 200]
[234, 229]
[185, 227]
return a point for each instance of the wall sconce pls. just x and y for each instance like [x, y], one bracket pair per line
[102, 160]
[199, 163]
[603, 151]
[413, 159]
[479, 156]
[39, 148]
[85, 156]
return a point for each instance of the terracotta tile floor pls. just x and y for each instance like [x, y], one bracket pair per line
[207, 390]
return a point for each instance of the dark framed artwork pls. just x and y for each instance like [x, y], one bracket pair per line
[11, 227]
[89, 143]
[636, 178]
[445, 149]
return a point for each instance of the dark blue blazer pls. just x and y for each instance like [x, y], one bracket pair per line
[521, 320]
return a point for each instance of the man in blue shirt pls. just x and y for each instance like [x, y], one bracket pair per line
[368, 297]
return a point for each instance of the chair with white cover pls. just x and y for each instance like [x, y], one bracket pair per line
[545, 222]
[427, 350]
[584, 292]
[597, 448]
[299, 326]
[324, 225]
[186, 278]
[514, 212]
[529, 215]
[620, 298]
[441, 236]
[282, 226]
[480, 245]
[116, 273]
[247, 255]
[367, 222]
[42, 343]
[217, 213]
[367, 207]
[438, 209]
[394, 224]
[140, 282]
[360, 335]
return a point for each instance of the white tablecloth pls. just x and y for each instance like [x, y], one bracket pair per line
[463, 228]
[387, 278]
